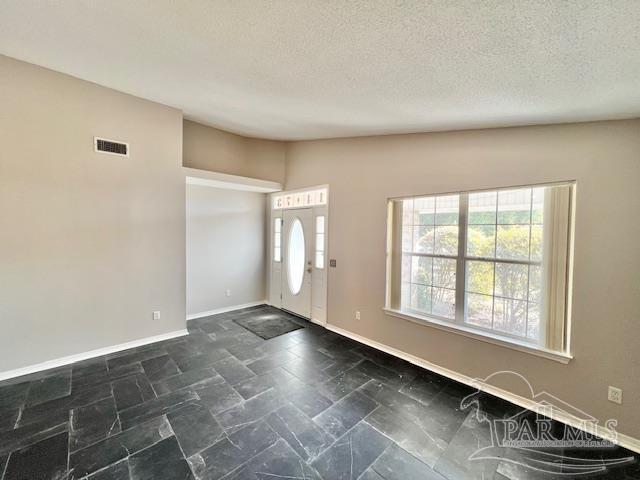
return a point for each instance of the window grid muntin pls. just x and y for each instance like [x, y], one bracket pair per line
[409, 230]
[497, 224]
[277, 239]
[320, 227]
[465, 258]
[526, 313]
[495, 260]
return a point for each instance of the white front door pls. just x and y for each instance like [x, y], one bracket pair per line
[297, 231]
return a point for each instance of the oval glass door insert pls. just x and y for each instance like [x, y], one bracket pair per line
[295, 257]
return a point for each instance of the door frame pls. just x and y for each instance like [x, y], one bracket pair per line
[319, 276]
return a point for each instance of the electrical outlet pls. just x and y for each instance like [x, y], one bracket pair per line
[156, 315]
[615, 395]
[357, 314]
[227, 293]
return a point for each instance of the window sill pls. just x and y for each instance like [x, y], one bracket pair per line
[485, 337]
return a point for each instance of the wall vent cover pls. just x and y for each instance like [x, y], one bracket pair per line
[112, 147]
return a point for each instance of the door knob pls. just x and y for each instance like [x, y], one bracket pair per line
[309, 270]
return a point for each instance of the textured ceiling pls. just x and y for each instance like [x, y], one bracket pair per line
[300, 69]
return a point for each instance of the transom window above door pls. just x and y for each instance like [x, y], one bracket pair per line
[492, 262]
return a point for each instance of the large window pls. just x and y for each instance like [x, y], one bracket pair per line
[493, 262]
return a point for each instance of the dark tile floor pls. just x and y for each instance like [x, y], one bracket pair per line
[223, 403]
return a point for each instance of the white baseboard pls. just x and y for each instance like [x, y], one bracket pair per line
[226, 309]
[318, 322]
[60, 362]
[618, 438]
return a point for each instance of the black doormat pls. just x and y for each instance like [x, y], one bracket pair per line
[268, 325]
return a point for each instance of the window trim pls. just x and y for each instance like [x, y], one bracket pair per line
[458, 325]
[487, 336]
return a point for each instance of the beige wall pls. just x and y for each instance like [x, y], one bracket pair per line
[90, 244]
[604, 158]
[207, 148]
[225, 248]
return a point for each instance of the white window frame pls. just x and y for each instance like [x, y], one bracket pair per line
[459, 325]
[320, 240]
[277, 239]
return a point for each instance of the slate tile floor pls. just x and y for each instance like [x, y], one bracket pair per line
[223, 403]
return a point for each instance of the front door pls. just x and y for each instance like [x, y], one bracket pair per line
[296, 261]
